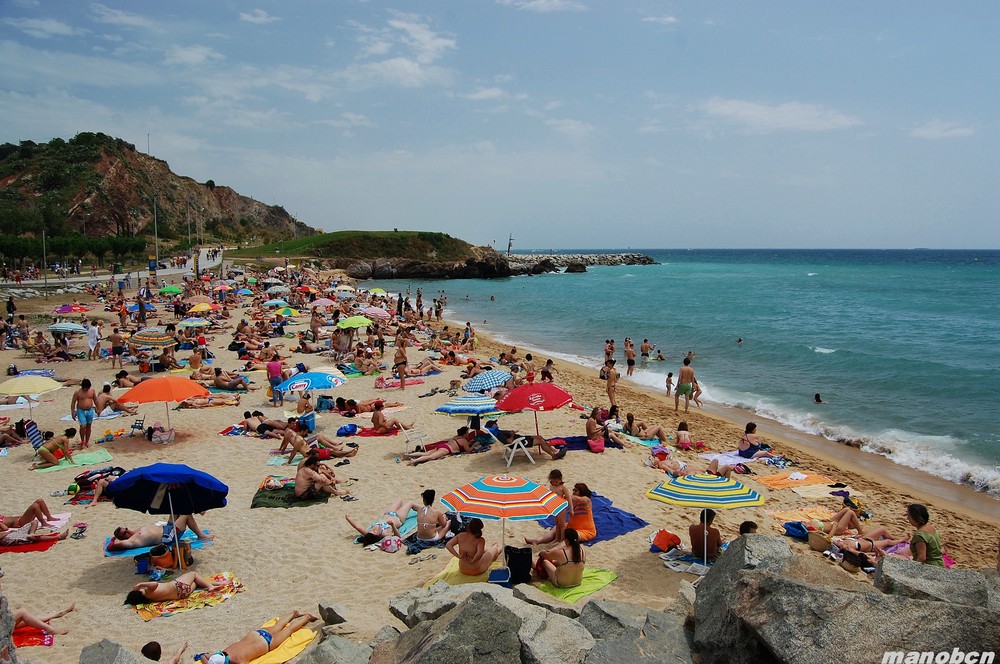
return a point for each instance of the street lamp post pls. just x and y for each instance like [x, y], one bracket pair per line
[156, 234]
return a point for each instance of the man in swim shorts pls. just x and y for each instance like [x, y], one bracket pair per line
[117, 341]
[258, 642]
[82, 408]
[685, 385]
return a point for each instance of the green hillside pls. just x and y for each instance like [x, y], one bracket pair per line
[416, 245]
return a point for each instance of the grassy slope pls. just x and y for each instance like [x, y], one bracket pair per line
[418, 245]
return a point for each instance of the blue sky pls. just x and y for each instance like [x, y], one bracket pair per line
[566, 123]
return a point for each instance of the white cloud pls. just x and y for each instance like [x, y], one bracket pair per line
[570, 127]
[191, 55]
[105, 14]
[402, 72]
[427, 45]
[29, 65]
[938, 129]
[543, 6]
[661, 20]
[485, 94]
[793, 116]
[651, 127]
[348, 120]
[41, 28]
[258, 17]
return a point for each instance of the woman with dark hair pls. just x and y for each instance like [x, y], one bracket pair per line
[563, 564]
[925, 542]
[474, 557]
[582, 520]
[148, 592]
[389, 524]
[749, 447]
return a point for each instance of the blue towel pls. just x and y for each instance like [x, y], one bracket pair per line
[609, 521]
[188, 536]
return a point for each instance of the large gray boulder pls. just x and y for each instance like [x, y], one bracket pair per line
[909, 578]
[803, 622]
[8, 655]
[626, 633]
[476, 631]
[337, 650]
[383, 268]
[546, 637]
[109, 652]
[359, 270]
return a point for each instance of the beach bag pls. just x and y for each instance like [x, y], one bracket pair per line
[519, 563]
[308, 422]
[742, 469]
[819, 541]
[163, 436]
[347, 430]
[797, 530]
[145, 367]
[663, 540]
[391, 544]
[596, 445]
[161, 556]
[325, 403]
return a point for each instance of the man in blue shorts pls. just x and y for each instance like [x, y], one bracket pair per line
[82, 407]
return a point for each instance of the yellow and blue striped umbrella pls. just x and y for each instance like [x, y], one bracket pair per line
[470, 406]
[704, 490]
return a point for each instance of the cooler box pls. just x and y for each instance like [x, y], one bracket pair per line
[308, 422]
[501, 577]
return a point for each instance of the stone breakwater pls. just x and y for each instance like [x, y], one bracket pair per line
[564, 260]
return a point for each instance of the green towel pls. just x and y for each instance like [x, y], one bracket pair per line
[280, 459]
[594, 578]
[284, 497]
[79, 459]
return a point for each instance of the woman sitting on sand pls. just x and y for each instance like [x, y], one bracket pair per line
[148, 592]
[925, 542]
[439, 450]
[474, 557]
[383, 425]
[640, 429]
[557, 486]
[749, 447]
[582, 520]
[563, 564]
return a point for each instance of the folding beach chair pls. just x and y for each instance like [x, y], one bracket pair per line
[519, 444]
[138, 425]
[34, 434]
[415, 436]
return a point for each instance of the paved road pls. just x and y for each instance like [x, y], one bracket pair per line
[85, 278]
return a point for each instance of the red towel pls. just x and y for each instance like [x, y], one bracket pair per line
[30, 546]
[370, 432]
[25, 636]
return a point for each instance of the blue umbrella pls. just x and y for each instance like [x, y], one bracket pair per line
[135, 307]
[475, 405]
[275, 303]
[312, 380]
[244, 291]
[488, 380]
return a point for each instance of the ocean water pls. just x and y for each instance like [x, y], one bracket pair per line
[903, 346]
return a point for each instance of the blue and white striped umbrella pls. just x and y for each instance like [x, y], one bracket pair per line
[488, 380]
[135, 307]
[470, 406]
[313, 380]
[275, 303]
[194, 322]
[68, 328]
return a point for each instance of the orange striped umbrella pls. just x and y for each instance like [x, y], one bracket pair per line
[169, 389]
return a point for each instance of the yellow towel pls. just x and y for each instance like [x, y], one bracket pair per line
[291, 646]
[451, 575]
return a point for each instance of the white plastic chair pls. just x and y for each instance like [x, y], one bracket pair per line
[415, 436]
[519, 444]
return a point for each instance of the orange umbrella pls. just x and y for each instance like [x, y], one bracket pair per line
[168, 389]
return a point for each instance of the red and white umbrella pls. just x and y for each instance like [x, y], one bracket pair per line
[535, 397]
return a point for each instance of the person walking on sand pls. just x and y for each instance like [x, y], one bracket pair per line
[685, 385]
[611, 378]
[81, 407]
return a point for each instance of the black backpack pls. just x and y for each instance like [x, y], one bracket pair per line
[519, 562]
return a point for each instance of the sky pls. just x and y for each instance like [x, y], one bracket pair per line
[561, 123]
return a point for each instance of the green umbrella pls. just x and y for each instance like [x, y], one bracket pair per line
[252, 280]
[171, 290]
[354, 322]
[377, 291]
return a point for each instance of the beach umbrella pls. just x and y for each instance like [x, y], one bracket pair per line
[504, 497]
[166, 389]
[306, 289]
[198, 299]
[168, 488]
[472, 405]
[244, 291]
[22, 386]
[323, 302]
[535, 397]
[312, 380]
[171, 290]
[705, 491]
[152, 336]
[378, 291]
[222, 287]
[278, 290]
[271, 280]
[194, 322]
[276, 303]
[354, 322]
[345, 287]
[70, 309]
[488, 380]
[252, 280]
[202, 307]
[207, 277]
[67, 328]
[288, 311]
[135, 307]
[376, 313]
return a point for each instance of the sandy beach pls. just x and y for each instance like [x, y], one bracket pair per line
[295, 558]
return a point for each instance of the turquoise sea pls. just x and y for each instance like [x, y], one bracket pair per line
[903, 346]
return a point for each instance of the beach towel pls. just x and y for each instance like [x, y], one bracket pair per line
[394, 409]
[648, 442]
[802, 514]
[594, 578]
[58, 522]
[85, 497]
[282, 459]
[382, 384]
[48, 373]
[369, 432]
[106, 414]
[726, 458]
[823, 491]
[188, 536]
[99, 456]
[219, 390]
[284, 497]
[239, 430]
[782, 481]
[407, 528]
[289, 648]
[578, 443]
[199, 599]
[26, 637]
[609, 520]
[452, 576]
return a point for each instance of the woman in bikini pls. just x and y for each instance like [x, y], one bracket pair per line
[877, 541]
[582, 520]
[454, 445]
[148, 592]
[344, 406]
[389, 524]
[749, 447]
[37, 511]
[399, 360]
[383, 425]
[563, 564]
[558, 487]
[474, 557]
